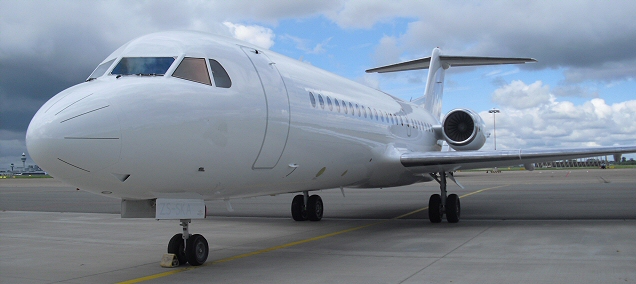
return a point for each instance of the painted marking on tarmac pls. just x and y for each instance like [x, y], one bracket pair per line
[257, 252]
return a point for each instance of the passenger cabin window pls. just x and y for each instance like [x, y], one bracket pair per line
[312, 99]
[143, 66]
[193, 69]
[322, 103]
[100, 70]
[329, 103]
[344, 107]
[221, 78]
[335, 101]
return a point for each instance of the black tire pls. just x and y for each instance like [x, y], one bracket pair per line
[176, 247]
[453, 208]
[298, 208]
[314, 208]
[435, 209]
[197, 250]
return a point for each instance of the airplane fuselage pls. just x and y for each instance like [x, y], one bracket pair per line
[282, 126]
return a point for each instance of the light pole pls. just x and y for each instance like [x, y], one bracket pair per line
[494, 124]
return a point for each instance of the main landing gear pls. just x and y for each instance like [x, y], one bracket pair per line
[440, 204]
[305, 207]
[188, 248]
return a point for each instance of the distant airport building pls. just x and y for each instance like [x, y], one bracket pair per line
[31, 170]
[576, 163]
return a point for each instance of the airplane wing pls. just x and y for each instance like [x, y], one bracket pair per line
[429, 162]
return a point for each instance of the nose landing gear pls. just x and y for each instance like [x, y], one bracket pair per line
[188, 248]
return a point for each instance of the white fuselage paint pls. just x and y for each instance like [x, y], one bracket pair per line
[146, 137]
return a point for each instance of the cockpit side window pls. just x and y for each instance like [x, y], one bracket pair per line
[100, 70]
[221, 78]
[193, 69]
[143, 66]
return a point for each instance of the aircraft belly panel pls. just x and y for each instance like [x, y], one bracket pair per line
[277, 100]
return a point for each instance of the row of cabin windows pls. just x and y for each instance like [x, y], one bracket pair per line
[344, 107]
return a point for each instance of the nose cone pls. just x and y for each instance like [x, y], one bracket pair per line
[75, 133]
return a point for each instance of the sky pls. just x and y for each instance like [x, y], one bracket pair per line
[581, 92]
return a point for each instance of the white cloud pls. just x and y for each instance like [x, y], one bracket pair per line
[520, 96]
[387, 51]
[366, 13]
[302, 44]
[254, 34]
[549, 122]
[593, 40]
[574, 91]
[608, 72]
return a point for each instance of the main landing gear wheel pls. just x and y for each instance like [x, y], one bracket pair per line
[314, 208]
[197, 250]
[440, 204]
[299, 213]
[305, 207]
[435, 209]
[453, 208]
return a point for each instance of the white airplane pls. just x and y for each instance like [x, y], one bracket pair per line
[172, 119]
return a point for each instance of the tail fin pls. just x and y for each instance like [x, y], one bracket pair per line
[438, 64]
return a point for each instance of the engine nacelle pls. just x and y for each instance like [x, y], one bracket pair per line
[463, 130]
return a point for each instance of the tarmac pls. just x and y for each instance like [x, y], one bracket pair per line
[546, 226]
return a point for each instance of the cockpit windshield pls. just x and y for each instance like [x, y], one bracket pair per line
[143, 66]
[100, 70]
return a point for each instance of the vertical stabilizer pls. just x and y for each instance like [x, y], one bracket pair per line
[437, 65]
[432, 98]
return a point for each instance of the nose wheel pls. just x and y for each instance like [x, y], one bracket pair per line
[440, 204]
[188, 248]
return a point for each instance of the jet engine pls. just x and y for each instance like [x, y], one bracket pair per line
[463, 130]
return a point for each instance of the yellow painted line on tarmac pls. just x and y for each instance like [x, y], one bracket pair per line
[158, 275]
[467, 194]
[257, 252]
[294, 243]
[179, 270]
[482, 190]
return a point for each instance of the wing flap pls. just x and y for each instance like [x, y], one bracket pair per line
[455, 160]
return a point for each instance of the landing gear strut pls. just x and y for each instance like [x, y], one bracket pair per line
[188, 248]
[305, 207]
[440, 204]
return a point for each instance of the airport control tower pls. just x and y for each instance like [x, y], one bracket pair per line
[23, 162]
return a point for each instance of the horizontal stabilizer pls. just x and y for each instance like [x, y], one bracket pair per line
[449, 61]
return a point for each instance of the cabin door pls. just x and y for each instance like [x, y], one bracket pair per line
[277, 103]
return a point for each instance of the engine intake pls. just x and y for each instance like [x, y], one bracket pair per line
[463, 130]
